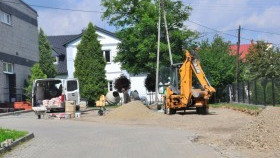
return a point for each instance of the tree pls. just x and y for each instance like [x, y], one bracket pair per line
[45, 56]
[150, 82]
[137, 22]
[263, 61]
[122, 83]
[36, 73]
[90, 66]
[217, 61]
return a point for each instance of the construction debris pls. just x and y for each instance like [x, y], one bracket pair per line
[132, 110]
[262, 132]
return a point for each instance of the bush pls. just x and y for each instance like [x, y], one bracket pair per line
[122, 83]
[261, 86]
[36, 73]
[257, 96]
[150, 83]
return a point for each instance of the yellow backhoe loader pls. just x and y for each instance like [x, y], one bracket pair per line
[180, 94]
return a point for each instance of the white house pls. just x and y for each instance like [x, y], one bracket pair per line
[65, 50]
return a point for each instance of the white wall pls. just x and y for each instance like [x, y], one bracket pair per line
[107, 43]
[138, 83]
[113, 70]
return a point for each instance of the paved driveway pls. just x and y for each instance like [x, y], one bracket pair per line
[68, 138]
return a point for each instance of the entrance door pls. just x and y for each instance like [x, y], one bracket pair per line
[12, 87]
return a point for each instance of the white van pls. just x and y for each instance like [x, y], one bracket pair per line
[52, 93]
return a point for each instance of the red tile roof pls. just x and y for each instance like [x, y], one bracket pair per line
[243, 50]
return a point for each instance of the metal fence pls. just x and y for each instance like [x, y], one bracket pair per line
[258, 92]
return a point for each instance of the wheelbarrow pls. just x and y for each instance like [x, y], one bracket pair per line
[39, 111]
[101, 104]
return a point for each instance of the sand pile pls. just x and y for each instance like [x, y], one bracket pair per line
[262, 133]
[132, 110]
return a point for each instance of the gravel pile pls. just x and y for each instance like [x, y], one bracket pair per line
[132, 110]
[261, 133]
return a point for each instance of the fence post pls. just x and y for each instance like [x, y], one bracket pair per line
[237, 85]
[243, 92]
[256, 93]
[229, 91]
[248, 83]
[273, 93]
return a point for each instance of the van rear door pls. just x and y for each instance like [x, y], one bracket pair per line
[33, 99]
[72, 91]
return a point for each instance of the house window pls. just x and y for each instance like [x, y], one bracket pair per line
[107, 55]
[8, 68]
[110, 86]
[56, 59]
[5, 18]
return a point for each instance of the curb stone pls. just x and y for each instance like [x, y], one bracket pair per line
[27, 111]
[17, 142]
[15, 113]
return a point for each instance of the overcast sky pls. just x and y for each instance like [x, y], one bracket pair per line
[221, 15]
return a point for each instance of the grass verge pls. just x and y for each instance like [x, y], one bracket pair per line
[249, 109]
[11, 134]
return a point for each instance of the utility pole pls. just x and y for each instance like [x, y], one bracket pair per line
[158, 51]
[167, 34]
[237, 64]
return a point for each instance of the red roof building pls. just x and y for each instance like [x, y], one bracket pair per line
[243, 50]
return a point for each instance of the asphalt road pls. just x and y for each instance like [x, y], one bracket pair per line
[77, 139]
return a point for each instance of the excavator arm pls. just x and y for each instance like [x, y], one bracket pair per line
[199, 73]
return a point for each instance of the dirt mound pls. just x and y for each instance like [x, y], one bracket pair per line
[132, 110]
[262, 133]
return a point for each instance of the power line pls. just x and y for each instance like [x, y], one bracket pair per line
[275, 44]
[210, 32]
[57, 8]
[217, 30]
[94, 11]
[252, 4]
[272, 33]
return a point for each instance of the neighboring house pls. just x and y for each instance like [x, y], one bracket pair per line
[65, 50]
[243, 50]
[18, 47]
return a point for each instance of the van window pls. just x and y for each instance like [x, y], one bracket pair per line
[72, 85]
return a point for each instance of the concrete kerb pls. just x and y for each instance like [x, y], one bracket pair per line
[17, 142]
[15, 113]
[27, 111]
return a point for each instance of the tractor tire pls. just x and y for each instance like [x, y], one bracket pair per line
[167, 111]
[159, 107]
[170, 111]
[164, 106]
[100, 112]
[202, 110]
[173, 111]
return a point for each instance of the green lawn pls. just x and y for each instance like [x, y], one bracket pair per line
[251, 109]
[11, 134]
